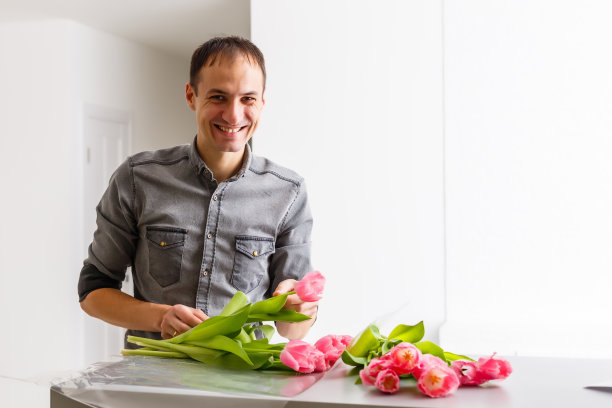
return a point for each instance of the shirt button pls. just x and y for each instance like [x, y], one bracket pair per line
[205, 273]
[209, 236]
[163, 243]
[215, 197]
[255, 253]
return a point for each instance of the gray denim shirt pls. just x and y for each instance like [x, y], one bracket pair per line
[193, 241]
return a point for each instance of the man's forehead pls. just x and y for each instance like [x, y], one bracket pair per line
[235, 70]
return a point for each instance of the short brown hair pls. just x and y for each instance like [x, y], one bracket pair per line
[207, 53]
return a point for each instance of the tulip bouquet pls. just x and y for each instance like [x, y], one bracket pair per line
[384, 359]
[229, 340]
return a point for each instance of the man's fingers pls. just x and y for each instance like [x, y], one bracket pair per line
[200, 315]
[293, 300]
[285, 286]
[180, 318]
[173, 327]
[307, 308]
[187, 316]
[180, 327]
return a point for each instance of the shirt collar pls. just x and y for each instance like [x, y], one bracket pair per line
[201, 167]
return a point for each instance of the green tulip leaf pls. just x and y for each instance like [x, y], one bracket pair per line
[453, 357]
[427, 347]
[267, 330]
[260, 360]
[278, 365]
[262, 345]
[282, 315]
[269, 306]
[155, 353]
[364, 342]
[223, 325]
[353, 360]
[410, 334]
[376, 332]
[237, 302]
[202, 354]
[389, 344]
[222, 343]
[243, 337]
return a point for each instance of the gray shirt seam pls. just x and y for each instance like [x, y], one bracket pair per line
[297, 183]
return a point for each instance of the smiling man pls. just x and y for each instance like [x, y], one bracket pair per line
[198, 222]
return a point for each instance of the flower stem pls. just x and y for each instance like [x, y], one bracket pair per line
[141, 352]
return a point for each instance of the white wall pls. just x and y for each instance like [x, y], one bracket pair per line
[510, 187]
[149, 84]
[49, 70]
[39, 244]
[528, 146]
[354, 104]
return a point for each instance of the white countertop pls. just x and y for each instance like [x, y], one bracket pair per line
[535, 382]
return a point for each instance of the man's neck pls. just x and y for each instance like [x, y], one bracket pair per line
[223, 165]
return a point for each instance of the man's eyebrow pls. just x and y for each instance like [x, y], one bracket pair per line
[216, 91]
[222, 92]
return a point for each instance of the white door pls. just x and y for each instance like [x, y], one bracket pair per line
[106, 144]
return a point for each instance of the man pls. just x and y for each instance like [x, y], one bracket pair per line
[198, 222]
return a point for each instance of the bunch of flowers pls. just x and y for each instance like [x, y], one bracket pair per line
[229, 340]
[402, 355]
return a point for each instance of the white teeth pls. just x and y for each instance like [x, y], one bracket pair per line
[228, 130]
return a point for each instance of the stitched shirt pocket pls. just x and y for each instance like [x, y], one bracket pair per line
[251, 261]
[165, 253]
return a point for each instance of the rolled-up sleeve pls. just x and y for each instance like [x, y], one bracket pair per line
[291, 259]
[116, 236]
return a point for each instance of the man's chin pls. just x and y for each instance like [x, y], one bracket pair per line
[233, 148]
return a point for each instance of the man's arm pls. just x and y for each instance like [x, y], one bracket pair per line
[295, 331]
[120, 309]
[291, 261]
[111, 252]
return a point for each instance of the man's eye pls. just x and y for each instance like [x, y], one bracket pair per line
[217, 97]
[248, 99]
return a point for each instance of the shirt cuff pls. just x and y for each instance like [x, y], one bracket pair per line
[92, 279]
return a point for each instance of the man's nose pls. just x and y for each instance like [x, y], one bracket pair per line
[234, 113]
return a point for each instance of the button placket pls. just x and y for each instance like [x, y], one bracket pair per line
[209, 250]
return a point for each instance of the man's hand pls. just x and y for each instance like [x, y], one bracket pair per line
[180, 318]
[295, 331]
[120, 309]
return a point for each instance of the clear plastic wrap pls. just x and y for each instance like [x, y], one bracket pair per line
[144, 378]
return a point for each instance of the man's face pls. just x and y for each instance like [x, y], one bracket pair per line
[228, 103]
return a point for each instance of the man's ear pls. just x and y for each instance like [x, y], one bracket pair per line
[190, 96]
[263, 97]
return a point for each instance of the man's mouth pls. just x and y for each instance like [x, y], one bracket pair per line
[229, 130]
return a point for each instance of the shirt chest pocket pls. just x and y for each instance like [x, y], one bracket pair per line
[165, 253]
[251, 261]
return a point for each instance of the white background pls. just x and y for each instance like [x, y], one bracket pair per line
[456, 155]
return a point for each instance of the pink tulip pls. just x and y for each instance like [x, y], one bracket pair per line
[311, 286]
[370, 373]
[468, 372]
[494, 368]
[438, 381]
[404, 357]
[302, 357]
[426, 362]
[332, 346]
[387, 381]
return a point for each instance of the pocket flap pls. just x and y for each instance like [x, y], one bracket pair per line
[254, 247]
[166, 237]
